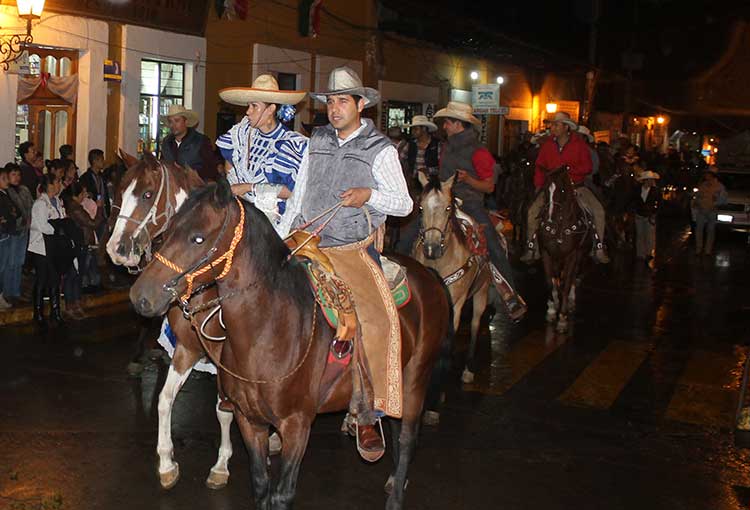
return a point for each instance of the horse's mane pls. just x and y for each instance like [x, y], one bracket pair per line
[268, 253]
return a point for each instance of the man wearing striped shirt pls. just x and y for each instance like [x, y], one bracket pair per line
[349, 181]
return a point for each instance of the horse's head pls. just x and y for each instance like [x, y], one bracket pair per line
[146, 199]
[559, 192]
[436, 206]
[199, 234]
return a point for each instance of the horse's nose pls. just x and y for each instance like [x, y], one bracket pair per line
[143, 306]
[121, 251]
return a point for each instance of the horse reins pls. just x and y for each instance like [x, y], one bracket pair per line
[203, 266]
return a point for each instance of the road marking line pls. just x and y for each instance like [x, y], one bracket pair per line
[604, 378]
[707, 389]
[509, 368]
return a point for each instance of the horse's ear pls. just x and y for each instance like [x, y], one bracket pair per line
[223, 193]
[449, 183]
[127, 158]
[423, 179]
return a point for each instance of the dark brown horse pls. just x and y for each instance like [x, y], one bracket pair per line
[565, 237]
[147, 198]
[277, 340]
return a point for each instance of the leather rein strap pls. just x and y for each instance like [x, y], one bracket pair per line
[203, 266]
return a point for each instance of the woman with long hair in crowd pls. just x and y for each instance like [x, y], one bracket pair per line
[73, 199]
[46, 279]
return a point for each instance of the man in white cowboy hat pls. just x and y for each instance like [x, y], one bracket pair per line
[265, 155]
[472, 169]
[186, 146]
[352, 164]
[646, 204]
[565, 148]
[422, 155]
[711, 194]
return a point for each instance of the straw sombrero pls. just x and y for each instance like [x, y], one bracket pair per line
[345, 81]
[585, 132]
[458, 111]
[422, 120]
[648, 174]
[564, 117]
[177, 110]
[265, 89]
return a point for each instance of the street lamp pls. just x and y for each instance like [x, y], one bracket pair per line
[551, 107]
[474, 75]
[660, 120]
[500, 80]
[13, 46]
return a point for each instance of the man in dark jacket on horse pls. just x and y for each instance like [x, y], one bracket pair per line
[474, 168]
[349, 181]
[565, 148]
[186, 146]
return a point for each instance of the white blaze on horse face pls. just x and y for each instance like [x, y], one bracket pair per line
[179, 198]
[431, 217]
[129, 203]
[552, 189]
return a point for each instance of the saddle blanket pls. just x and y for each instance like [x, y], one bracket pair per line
[168, 340]
[395, 274]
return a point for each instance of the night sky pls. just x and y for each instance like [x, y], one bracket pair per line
[676, 38]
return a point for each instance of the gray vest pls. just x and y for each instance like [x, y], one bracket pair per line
[333, 170]
[457, 156]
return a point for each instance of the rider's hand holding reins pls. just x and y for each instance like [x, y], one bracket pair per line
[355, 197]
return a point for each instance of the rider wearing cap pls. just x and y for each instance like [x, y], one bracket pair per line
[565, 148]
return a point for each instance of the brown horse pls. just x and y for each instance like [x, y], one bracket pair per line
[149, 195]
[565, 236]
[442, 246]
[272, 362]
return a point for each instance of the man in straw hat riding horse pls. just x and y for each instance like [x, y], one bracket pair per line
[473, 167]
[349, 182]
[565, 148]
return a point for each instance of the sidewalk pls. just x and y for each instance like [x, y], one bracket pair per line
[94, 304]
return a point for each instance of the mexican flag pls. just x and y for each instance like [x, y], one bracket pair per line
[309, 17]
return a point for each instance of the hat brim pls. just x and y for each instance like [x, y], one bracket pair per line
[431, 127]
[648, 175]
[573, 126]
[243, 96]
[191, 118]
[370, 95]
[445, 113]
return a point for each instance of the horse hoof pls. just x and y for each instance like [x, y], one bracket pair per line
[562, 327]
[217, 480]
[274, 444]
[551, 318]
[389, 485]
[431, 418]
[170, 478]
[468, 376]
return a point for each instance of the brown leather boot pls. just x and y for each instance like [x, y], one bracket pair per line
[370, 443]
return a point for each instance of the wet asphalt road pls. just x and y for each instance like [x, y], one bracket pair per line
[632, 410]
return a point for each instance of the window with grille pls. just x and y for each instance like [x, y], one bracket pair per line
[162, 85]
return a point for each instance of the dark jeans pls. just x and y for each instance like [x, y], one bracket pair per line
[89, 271]
[72, 285]
[497, 255]
[11, 283]
[46, 279]
[408, 236]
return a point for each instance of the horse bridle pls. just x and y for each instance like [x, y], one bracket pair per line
[443, 232]
[169, 212]
[204, 264]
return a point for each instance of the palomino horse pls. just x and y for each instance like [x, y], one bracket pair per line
[272, 362]
[442, 247]
[565, 236]
[149, 195]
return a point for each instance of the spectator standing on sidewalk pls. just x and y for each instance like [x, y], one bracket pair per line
[711, 194]
[23, 200]
[8, 229]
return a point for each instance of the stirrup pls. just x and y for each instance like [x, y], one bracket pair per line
[365, 454]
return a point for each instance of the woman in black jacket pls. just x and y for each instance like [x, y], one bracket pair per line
[645, 203]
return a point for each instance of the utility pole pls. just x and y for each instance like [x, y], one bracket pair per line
[591, 75]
